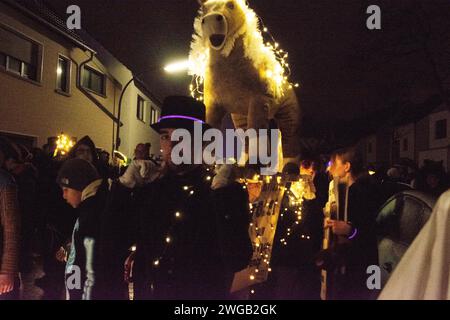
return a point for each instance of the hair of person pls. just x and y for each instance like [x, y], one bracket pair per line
[307, 163]
[353, 156]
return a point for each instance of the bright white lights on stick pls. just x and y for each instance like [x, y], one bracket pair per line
[63, 145]
[177, 66]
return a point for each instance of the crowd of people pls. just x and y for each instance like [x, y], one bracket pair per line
[179, 231]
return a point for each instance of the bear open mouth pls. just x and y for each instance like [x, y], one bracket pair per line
[217, 39]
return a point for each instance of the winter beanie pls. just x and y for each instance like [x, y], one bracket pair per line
[77, 174]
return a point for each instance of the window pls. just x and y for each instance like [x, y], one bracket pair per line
[153, 116]
[440, 129]
[13, 65]
[405, 144]
[2, 60]
[140, 108]
[28, 71]
[94, 80]
[19, 55]
[369, 147]
[63, 75]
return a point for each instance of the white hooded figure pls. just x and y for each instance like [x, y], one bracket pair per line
[424, 271]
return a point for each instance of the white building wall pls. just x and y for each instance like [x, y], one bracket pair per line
[434, 119]
[406, 136]
[34, 109]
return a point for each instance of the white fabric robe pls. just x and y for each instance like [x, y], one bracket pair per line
[424, 271]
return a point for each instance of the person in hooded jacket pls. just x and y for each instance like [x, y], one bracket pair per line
[85, 149]
[84, 190]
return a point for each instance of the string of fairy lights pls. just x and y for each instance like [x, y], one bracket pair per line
[263, 247]
[63, 145]
[280, 54]
[296, 205]
[177, 218]
[280, 75]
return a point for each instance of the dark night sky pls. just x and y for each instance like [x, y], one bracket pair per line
[344, 69]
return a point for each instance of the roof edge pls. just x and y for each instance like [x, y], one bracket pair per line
[18, 6]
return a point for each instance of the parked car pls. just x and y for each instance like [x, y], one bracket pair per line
[398, 222]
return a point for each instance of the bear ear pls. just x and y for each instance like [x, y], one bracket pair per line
[201, 2]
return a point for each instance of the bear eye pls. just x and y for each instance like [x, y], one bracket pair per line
[230, 5]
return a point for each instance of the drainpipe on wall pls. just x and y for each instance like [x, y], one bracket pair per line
[81, 67]
[91, 97]
[119, 111]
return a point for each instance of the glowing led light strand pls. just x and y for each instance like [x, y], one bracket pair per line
[280, 74]
[63, 145]
[168, 239]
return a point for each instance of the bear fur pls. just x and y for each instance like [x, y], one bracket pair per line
[237, 73]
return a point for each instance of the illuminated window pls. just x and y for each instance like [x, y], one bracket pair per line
[63, 75]
[153, 115]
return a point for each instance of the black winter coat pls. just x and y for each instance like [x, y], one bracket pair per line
[85, 253]
[363, 202]
[190, 239]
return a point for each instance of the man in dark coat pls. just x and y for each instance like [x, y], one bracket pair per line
[191, 239]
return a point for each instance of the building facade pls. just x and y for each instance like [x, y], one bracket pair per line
[54, 81]
[426, 137]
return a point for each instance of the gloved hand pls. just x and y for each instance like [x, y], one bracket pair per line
[225, 175]
[139, 172]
